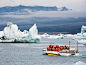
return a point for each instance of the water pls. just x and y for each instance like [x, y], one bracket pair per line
[32, 54]
[45, 24]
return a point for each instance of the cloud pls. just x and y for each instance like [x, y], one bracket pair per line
[71, 4]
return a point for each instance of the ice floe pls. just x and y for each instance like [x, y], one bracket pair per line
[80, 63]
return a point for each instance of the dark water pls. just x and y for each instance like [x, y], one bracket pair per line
[46, 24]
[32, 54]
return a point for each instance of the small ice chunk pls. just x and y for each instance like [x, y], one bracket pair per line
[80, 63]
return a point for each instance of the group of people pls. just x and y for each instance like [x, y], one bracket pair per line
[56, 48]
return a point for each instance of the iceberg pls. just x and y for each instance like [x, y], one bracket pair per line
[80, 63]
[45, 35]
[33, 32]
[82, 35]
[56, 36]
[1, 34]
[83, 31]
[82, 41]
[11, 32]
[32, 36]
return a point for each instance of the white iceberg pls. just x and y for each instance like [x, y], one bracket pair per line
[12, 32]
[1, 33]
[45, 35]
[83, 31]
[78, 35]
[82, 35]
[32, 35]
[82, 41]
[80, 63]
[56, 37]
[33, 32]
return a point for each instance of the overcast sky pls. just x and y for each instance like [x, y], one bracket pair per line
[76, 5]
[64, 14]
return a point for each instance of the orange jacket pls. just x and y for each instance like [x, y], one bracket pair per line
[64, 47]
[54, 46]
[67, 47]
[53, 49]
[50, 46]
[50, 49]
[58, 49]
[57, 46]
[47, 48]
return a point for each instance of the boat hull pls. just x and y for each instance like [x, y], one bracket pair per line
[59, 53]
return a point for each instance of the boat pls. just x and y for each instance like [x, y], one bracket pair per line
[67, 51]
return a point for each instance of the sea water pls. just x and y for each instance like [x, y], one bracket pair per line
[32, 54]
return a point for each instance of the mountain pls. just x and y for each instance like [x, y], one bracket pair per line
[31, 8]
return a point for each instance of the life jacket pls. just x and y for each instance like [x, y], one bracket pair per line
[51, 46]
[54, 46]
[58, 49]
[67, 47]
[57, 46]
[48, 48]
[64, 47]
[53, 49]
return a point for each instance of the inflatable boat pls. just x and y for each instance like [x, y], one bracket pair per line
[60, 50]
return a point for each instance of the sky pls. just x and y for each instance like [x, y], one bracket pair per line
[76, 5]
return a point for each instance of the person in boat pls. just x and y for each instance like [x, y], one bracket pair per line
[58, 49]
[54, 46]
[48, 48]
[67, 47]
[57, 46]
[61, 47]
